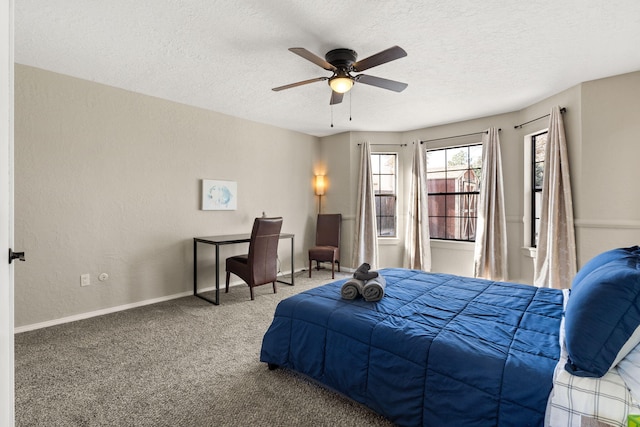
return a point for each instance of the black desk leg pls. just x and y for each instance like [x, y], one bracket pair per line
[217, 275]
[195, 276]
[195, 267]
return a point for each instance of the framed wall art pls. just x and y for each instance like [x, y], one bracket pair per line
[219, 195]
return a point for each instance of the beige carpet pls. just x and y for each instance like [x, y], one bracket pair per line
[183, 362]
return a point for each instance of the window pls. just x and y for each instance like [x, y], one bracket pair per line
[538, 145]
[384, 172]
[453, 184]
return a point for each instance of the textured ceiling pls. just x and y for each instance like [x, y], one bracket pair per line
[466, 58]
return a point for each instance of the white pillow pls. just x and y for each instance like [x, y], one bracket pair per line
[629, 370]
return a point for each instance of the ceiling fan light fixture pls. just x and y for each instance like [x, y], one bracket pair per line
[342, 62]
[341, 84]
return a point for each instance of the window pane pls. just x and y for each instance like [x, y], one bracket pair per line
[387, 218]
[451, 232]
[473, 204]
[469, 183]
[436, 160]
[437, 227]
[475, 156]
[538, 175]
[538, 204]
[387, 205]
[465, 206]
[453, 181]
[388, 163]
[450, 203]
[387, 226]
[376, 184]
[468, 217]
[464, 228]
[436, 185]
[457, 158]
[474, 177]
[436, 206]
[541, 143]
[375, 164]
[387, 184]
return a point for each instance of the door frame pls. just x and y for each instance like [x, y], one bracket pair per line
[7, 378]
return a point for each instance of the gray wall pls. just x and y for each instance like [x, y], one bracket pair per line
[109, 181]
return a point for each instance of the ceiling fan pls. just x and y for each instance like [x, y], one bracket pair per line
[342, 62]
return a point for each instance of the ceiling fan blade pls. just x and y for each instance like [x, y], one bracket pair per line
[336, 98]
[313, 58]
[395, 52]
[304, 82]
[380, 82]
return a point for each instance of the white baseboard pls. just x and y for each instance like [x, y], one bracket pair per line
[115, 309]
[101, 312]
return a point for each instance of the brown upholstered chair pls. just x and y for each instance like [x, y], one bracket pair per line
[327, 248]
[260, 265]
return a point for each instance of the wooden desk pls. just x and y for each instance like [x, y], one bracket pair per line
[218, 241]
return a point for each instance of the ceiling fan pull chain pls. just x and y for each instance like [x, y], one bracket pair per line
[331, 106]
[350, 105]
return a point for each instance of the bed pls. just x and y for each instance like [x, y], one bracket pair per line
[441, 350]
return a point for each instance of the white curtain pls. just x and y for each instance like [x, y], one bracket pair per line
[490, 257]
[365, 245]
[418, 243]
[555, 262]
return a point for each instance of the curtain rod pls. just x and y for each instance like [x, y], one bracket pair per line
[562, 110]
[456, 136]
[401, 145]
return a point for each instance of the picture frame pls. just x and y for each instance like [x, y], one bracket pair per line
[219, 195]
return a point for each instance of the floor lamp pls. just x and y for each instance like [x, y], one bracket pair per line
[319, 189]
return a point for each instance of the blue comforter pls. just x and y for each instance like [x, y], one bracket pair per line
[437, 350]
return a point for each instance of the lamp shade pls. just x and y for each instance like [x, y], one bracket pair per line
[341, 84]
[319, 185]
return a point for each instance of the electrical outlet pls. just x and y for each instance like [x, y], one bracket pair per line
[85, 279]
[103, 277]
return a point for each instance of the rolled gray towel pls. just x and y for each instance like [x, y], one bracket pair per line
[351, 289]
[373, 289]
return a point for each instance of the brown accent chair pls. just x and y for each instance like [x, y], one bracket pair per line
[327, 248]
[260, 265]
